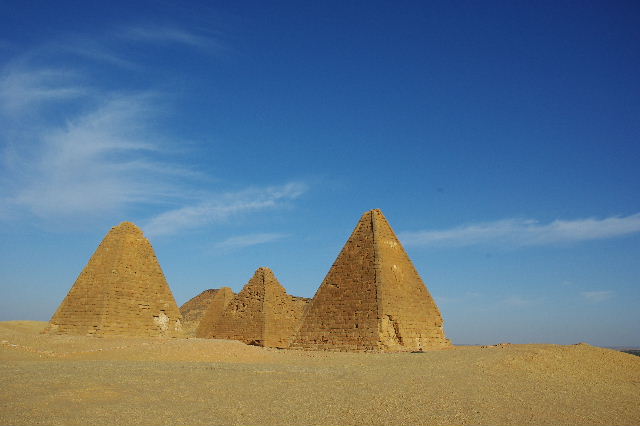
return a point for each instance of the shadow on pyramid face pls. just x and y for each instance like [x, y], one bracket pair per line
[194, 309]
[213, 312]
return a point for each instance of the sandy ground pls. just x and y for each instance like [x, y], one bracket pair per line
[69, 380]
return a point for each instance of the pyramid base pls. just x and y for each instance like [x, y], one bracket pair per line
[422, 345]
[122, 331]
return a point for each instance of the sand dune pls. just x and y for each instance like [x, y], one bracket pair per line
[49, 379]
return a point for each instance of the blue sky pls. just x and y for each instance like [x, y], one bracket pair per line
[501, 140]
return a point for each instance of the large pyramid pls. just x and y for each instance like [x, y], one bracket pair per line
[213, 313]
[372, 299]
[121, 291]
[262, 313]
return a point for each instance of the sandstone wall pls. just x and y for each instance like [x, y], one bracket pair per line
[121, 291]
[409, 317]
[283, 315]
[261, 314]
[243, 318]
[372, 299]
[194, 309]
[343, 314]
[214, 312]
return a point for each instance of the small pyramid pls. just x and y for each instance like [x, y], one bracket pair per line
[372, 299]
[121, 291]
[213, 313]
[194, 309]
[261, 314]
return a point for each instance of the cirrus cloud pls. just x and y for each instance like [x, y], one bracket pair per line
[72, 146]
[597, 296]
[241, 241]
[526, 232]
[214, 209]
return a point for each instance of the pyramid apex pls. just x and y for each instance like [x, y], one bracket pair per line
[373, 212]
[262, 314]
[127, 226]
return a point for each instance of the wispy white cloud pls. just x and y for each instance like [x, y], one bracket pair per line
[96, 162]
[526, 232]
[242, 241]
[168, 34]
[24, 85]
[23, 88]
[93, 50]
[72, 147]
[597, 296]
[218, 208]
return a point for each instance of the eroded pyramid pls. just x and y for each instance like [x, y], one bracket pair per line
[372, 299]
[121, 291]
[193, 310]
[213, 313]
[262, 313]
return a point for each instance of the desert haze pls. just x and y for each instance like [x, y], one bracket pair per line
[73, 380]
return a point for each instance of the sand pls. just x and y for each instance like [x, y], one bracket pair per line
[69, 380]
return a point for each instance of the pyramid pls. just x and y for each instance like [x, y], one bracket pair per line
[372, 299]
[194, 309]
[262, 313]
[121, 291]
[212, 315]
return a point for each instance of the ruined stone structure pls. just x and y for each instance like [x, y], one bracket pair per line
[262, 313]
[121, 291]
[214, 312]
[372, 299]
[194, 309]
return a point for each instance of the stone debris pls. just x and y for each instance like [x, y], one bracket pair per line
[262, 314]
[498, 345]
[372, 299]
[121, 291]
[214, 312]
[194, 309]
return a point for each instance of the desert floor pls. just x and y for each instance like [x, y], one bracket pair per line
[68, 380]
